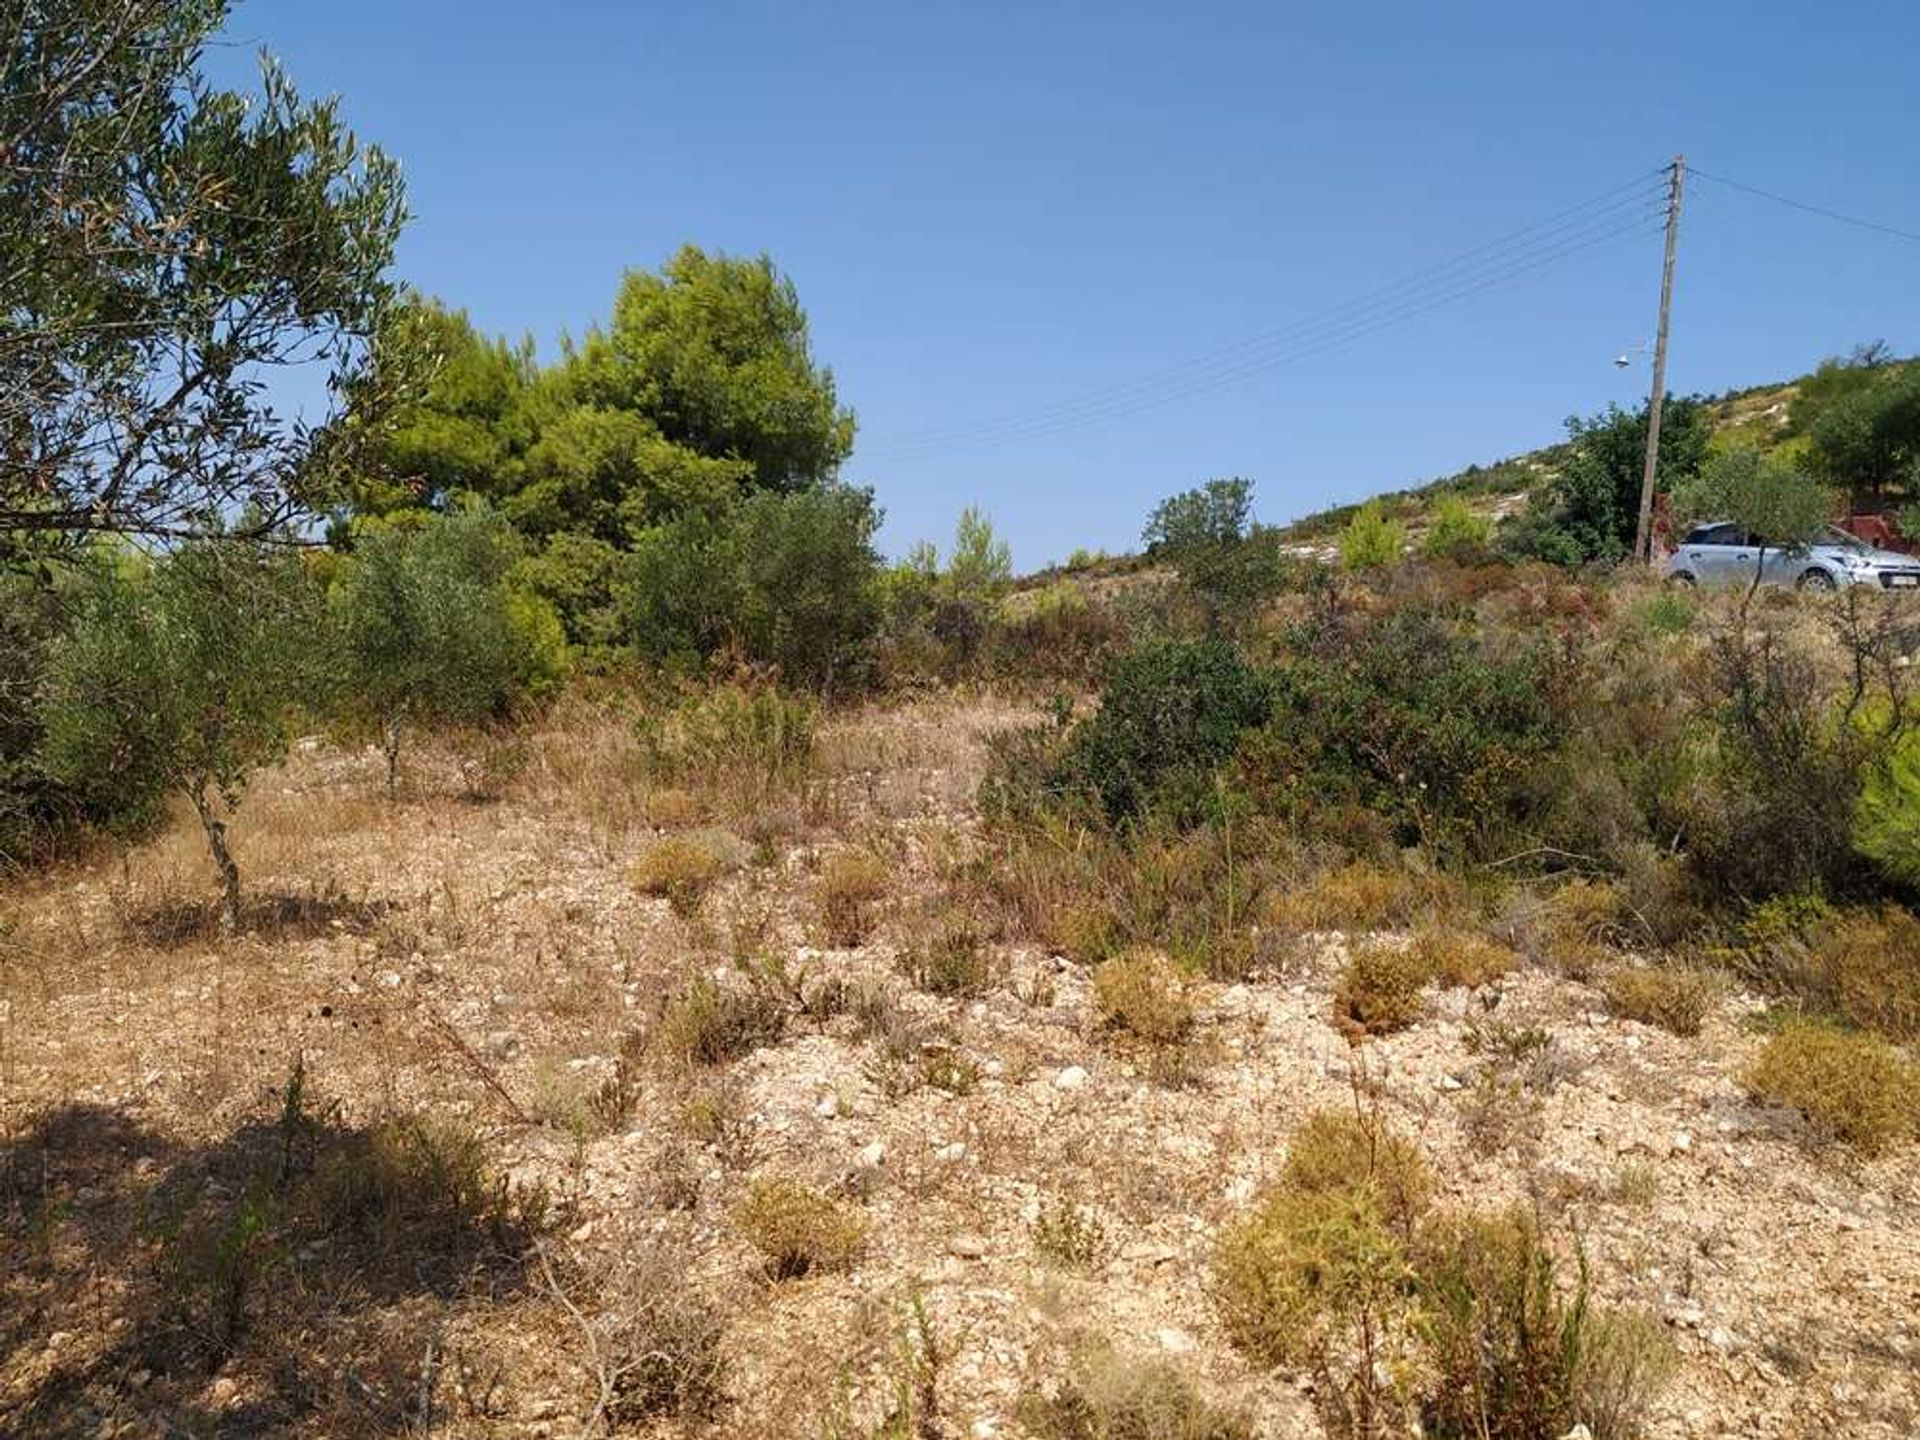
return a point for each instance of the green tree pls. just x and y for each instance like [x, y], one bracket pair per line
[1209, 536]
[466, 424]
[981, 562]
[1371, 541]
[1870, 437]
[430, 631]
[1593, 502]
[714, 350]
[180, 677]
[1836, 378]
[1773, 501]
[167, 245]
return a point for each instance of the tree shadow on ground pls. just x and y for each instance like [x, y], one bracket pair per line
[290, 1276]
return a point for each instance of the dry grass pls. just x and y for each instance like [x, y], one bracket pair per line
[1672, 997]
[799, 1230]
[1461, 958]
[851, 885]
[1572, 930]
[1870, 964]
[1106, 1394]
[1144, 995]
[1362, 896]
[1852, 1088]
[952, 961]
[682, 869]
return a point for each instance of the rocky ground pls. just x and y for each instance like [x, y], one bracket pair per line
[478, 951]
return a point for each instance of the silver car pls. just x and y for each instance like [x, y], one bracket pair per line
[1723, 554]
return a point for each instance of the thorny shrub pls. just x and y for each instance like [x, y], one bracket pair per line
[1144, 995]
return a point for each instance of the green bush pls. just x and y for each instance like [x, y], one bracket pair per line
[1886, 821]
[428, 630]
[1418, 719]
[1371, 541]
[787, 581]
[1457, 531]
[1171, 713]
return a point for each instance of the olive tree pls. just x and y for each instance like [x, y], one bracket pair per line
[165, 247]
[1767, 497]
[180, 675]
[429, 630]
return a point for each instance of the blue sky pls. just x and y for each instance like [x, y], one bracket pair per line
[994, 210]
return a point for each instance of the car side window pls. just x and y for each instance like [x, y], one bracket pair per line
[1714, 535]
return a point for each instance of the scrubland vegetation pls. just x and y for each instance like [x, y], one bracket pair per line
[518, 921]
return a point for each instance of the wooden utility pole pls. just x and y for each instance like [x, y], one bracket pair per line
[1643, 533]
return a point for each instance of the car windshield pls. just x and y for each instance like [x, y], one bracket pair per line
[1833, 535]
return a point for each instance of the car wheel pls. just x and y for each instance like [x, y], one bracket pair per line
[1681, 580]
[1816, 580]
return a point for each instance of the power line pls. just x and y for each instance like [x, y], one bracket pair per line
[1803, 205]
[1310, 340]
[1624, 210]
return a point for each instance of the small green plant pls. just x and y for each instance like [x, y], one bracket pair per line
[1145, 995]
[1854, 1088]
[681, 869]
[1069, 1235]
[1515, 1350]
[799, 1230]
[1381, 988]
[1457, 531]
[1672, 997]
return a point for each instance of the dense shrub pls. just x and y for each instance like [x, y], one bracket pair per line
[1380, 987]
[36, 810]
[1417, 719]
[1228, 561]
[783, 580]
[1170, 714]
[1671, 997]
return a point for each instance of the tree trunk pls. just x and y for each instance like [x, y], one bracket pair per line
[216, 831]
[393, 755]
